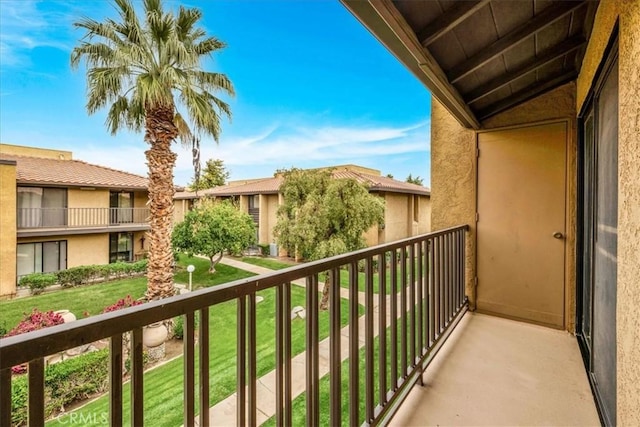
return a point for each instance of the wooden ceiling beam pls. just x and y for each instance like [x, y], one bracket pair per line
[544, 19]
[528, 93]
[546, 57]
[449, 20]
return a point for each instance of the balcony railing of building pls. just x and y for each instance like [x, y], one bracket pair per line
[419, 300]
[29, 218]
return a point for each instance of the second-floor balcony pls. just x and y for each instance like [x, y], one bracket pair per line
[399, 348]
[30, 219]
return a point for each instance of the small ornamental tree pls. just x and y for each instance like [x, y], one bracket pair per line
[214, 174]
[212, 229]
[323, 217]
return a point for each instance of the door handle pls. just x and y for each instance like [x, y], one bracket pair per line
[558, 235]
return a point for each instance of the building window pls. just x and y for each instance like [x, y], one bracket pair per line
[121, 207]
[41, 257]
[416, 208]
[41, 207]
[120, 247]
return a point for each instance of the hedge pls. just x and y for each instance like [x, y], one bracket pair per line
[76, 276]
[38, 281]
[64, 383]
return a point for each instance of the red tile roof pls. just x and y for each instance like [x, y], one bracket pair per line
[272, 185]
[74, 173]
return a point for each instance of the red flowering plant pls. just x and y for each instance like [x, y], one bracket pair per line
[122, 303]
[32, 322]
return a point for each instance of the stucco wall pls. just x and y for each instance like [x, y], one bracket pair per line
[628, 300]
[272, 216]
[97, 198]
[397, 216]
[46, 153]
[88, 249]
[7, 228]
[453, 182]
[424, 225]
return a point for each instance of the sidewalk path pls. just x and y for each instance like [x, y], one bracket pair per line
[224, 412]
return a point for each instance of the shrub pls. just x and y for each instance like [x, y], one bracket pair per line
[264, 250]
[121, 303]
[140, 266]
[64, 383]
[178, 326]
[75, 276]
[36, 320]
[37, 282]
[32, 322]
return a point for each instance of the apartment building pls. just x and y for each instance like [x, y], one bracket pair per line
[407, 205]
[57, 213]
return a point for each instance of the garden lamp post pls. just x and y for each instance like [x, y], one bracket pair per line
[190, 268]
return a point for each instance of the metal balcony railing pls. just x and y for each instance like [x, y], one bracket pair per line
[28, 218]
[425, 276]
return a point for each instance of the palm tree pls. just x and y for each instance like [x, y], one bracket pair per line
[144, 70]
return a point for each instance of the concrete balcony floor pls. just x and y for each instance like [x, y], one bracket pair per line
[494, 371]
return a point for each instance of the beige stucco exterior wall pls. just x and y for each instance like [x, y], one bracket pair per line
[97, 198]
[627, 13]
[424, 223]
[398, 216]
[270, 214]
[8, 202]
[180, 209]
[46, 153]
[88, 249]
[453, 182]
[628, 300]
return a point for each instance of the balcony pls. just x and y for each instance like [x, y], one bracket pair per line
[412, 289]
[52, 221]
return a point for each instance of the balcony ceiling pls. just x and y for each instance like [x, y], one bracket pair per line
[482, 57]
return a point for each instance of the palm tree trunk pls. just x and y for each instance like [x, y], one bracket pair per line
[160, 133]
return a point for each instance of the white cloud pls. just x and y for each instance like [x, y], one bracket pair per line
[284, 146]
[28, 24]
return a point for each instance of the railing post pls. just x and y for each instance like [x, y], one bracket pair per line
[5, 398]
[369, 380]
[115, 380]
[137, 373]
[335, 362]
[241, 362]
[354, 382]
[189, 369]
[36, 392]
[313, 394]
[203, 341]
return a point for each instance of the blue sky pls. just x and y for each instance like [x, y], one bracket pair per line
[314, 88]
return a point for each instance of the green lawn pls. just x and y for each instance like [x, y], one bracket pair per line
[344, 280]
[299, 405]
[94, 298]
[90, 298]
[201, 276]
[164, 385]
[267, 262]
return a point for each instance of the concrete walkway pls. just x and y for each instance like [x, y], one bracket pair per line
[224, 413]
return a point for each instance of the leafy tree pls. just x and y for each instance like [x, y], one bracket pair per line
[322, 217]
[214, 174]
[142, 69]
[417, 180]
[213, 228]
